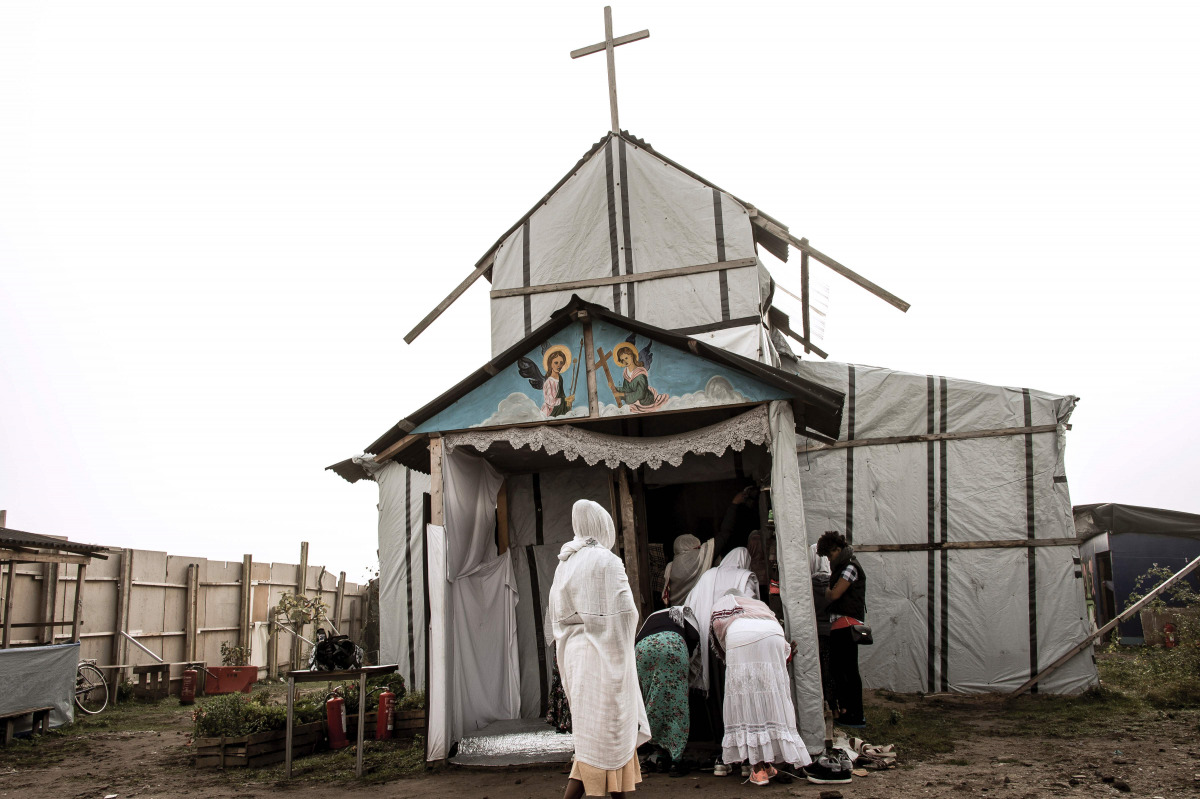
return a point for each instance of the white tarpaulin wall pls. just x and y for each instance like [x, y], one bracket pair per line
[626, 211]
[401, 569]
[968, 620]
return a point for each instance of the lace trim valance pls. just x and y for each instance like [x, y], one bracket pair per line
[575, 443]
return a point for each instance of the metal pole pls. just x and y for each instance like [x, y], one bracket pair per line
[362, 716]
[139, 646]
[291, 701]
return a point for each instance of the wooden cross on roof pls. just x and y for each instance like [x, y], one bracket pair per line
[607, 46]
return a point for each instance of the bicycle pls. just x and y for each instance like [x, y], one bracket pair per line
[91, 689]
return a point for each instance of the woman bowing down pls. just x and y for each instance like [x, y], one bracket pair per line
[593, 618]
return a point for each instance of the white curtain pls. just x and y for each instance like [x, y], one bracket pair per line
[481, 599]
[795, 576]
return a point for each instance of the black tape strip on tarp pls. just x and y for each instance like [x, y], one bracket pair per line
[525, 278]
[1031, 533]
[614, 255]
[850, 458]
[945, 523]
[630, 290]
[412, 647]
[719, 221]
[931, 534]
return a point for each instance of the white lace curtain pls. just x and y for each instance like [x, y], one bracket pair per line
[575, 443]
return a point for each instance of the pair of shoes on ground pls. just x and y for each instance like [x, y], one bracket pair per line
[832, 767]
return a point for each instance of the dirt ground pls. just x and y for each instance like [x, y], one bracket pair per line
[949, 746]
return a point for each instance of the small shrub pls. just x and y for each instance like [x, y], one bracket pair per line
[234, 655]
[238, 714]
[414, 700]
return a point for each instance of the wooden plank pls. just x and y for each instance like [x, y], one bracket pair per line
[617, 42]
[803, 246]
[7, 555]
[436, 513]
[590, 360]
[191, 612]
[49, 600]
[403, 443]
[968, 434]
[1010, 543]
[245, 614]
[339, 602]
[121, 617]
[612, 69]
[8, 601]
[633, 568]
[450, 298]
[80, 584]
[1132, 609]
[808, 345]
[612, 280]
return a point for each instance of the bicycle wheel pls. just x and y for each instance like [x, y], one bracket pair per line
[91, 691]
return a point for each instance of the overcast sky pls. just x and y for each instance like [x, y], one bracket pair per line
[218, 220]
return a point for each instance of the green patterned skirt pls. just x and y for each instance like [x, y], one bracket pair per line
[662, 666]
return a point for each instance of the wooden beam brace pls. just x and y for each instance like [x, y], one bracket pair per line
[80, 584]
[808, 345]
[875, 442]
[1132, 609]
[617, 42]
[613, 280]
[403, 443]
[1008, 543]
[803, 246]
[450, 298]
[805, 298]
[42, 557]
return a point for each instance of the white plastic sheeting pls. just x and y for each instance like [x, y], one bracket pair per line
[967, 620]
[401, 569]
[795, 577]
[673, 220]
[39, 676]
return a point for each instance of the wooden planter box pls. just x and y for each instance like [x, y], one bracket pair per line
[406, 724]
[259, 749]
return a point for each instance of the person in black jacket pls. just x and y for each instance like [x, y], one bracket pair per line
[847, 607]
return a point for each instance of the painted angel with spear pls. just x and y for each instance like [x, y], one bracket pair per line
[635, 389]
[556, 360]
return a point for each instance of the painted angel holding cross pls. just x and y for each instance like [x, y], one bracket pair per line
[635, 389]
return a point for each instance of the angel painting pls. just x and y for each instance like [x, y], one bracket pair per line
[634, 389]
[556, 360]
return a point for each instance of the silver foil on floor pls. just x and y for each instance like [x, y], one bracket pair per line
[514, 742]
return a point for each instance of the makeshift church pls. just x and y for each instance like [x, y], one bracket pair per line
[638, 361]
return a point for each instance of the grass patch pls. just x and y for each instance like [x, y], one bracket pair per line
[957, 761]
[1093, 712]
[383, 761]
[920, 729]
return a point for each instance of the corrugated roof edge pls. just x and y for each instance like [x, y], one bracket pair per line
[20, 538]
[822, 405]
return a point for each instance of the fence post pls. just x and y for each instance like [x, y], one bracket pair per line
[301, 590]
[245, 620]
[339, 601]
[8, 600]
[189, 625]
[77, 619]
[49, 601]
[120, 648]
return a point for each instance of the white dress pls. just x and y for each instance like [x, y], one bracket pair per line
[760, 720]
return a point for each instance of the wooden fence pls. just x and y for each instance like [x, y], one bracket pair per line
[180, 608]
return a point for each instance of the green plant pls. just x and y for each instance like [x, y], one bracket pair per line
[1181, 594]
[238, 714]
[375, 683]
[414, 700]
[234, 655]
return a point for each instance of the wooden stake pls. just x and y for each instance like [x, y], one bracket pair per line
[301, 590]
[436, 511]
[246, 616]
[77, 619]
[1132, 609]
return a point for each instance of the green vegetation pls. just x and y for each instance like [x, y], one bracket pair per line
[239, 714]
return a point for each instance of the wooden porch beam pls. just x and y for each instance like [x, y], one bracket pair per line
[483, 267]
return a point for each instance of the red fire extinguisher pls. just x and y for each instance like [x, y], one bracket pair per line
[1169, 639]
[335, 718]
[383, 722]
[187, 689]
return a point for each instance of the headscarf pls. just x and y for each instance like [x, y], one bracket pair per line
[692, 559]
[594, 618]
[734, 572]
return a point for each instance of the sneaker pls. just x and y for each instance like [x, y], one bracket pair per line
[759, 777]
[826, 770]
[745, 770]
[720, 770]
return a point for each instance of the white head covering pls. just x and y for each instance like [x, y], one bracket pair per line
[593, 618]
[734, 572]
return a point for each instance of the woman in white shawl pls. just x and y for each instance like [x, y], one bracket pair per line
[734, 572]
[594, 620]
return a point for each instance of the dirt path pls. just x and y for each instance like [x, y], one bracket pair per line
[994, 753]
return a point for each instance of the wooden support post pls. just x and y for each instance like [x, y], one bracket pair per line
[589, 352]
[121, 624]
[8, 600]
[502, 518]
[245, 618]
[77, 618]
[633, 568]
[437, 511]
[1132, 609]
[339, 602]
[50, 602]
[190, 623]
[272, 647]
[301, 590]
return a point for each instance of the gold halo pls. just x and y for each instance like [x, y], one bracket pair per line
[624, 345]
[557, 348]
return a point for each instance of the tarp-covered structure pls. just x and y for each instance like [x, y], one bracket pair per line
[1121, 543]
[638, 360]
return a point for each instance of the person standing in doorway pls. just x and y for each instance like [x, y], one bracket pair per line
[847, 608]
